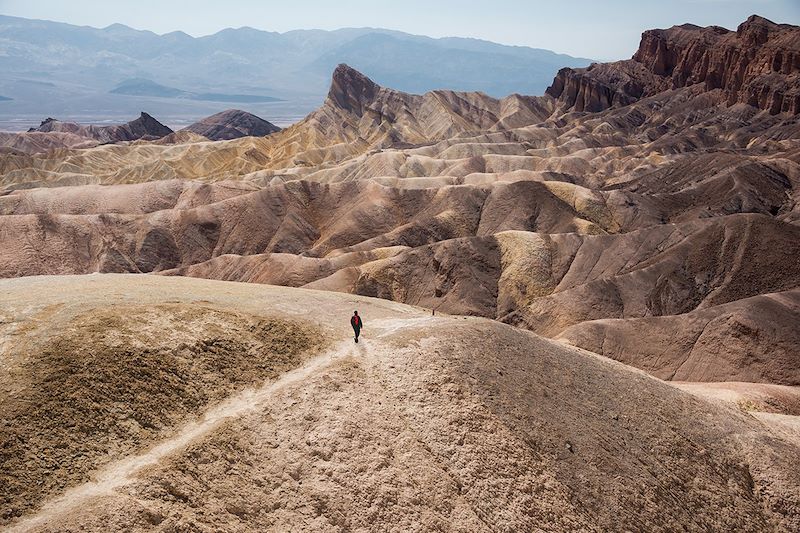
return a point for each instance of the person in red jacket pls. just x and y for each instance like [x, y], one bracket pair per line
[357, 324]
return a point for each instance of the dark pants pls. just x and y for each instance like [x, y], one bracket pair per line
[356, 330]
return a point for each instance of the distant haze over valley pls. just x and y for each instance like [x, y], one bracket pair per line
[91, 75]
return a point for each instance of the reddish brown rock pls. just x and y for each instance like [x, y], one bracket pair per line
[758, 64]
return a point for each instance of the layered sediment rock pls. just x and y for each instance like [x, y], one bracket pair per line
[671, 202]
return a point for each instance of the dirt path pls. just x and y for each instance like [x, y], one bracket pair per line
[447, 423]
[122, 472]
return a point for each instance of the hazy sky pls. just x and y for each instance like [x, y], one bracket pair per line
[598, 29]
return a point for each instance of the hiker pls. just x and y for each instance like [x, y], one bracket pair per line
[355, 321]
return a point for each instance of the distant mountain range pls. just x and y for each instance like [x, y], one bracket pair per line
[145, 87]
[58, 69]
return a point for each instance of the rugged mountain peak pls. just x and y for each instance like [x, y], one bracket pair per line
[350, 89]
[363, 115]
[146, 125]
[48, 124]
[660, 50]
[757, 65]
[604, 85]
[53, 124]
[756, 30]
[232, 124]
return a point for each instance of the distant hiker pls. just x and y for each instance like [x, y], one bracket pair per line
[355, 321]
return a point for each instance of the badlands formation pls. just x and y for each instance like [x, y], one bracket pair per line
[644, 211]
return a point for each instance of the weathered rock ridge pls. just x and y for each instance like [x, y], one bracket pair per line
[144, 127]
[758, 64]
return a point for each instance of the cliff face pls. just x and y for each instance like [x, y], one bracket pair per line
[758, 64]
[601, 86]
[351, 90]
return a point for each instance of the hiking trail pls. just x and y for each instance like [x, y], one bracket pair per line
[123, 471]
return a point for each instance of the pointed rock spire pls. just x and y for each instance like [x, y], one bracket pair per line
[350, 89]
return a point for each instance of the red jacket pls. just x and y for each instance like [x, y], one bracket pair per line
[355, 321]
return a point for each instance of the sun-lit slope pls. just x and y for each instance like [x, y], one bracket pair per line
[32, 142]
[462, 424]
[660, 153]
[84, 385]
[678, 98]
[754, 339]
[513, 251]
[134, 199]
[548, 282]
[357, 116]
[669, 270]
[297, 217]
[773, 403]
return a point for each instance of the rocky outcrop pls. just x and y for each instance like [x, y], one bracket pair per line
[351, 90]
[602, 86]
[232, 124]
[145, 127]
[758, 64]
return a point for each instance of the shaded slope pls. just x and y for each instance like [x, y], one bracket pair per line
[98, 389]
[669, 270]
[232, 124]
[297, 217]
[521, 209]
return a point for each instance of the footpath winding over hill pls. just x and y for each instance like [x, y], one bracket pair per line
[455, 423]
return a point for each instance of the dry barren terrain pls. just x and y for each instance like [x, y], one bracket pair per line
[614, 269]
[657, 194]
[447, 422]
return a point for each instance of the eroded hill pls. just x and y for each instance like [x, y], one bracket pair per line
[650, 195]
[447, 422]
